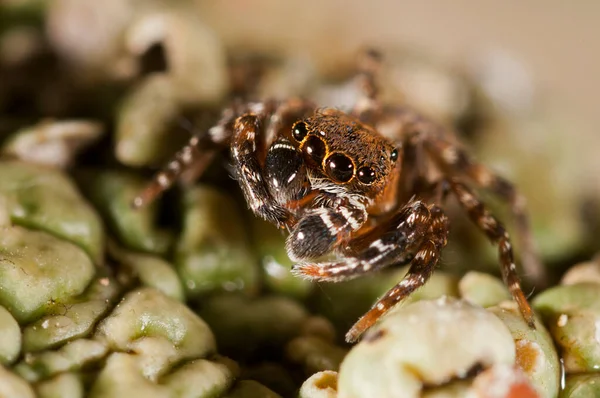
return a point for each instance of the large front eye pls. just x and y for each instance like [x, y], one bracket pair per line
[366, 175]
[315, 148]
[299, 131]
[339, 167]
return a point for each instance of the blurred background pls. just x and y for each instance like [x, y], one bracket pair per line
[518, 81]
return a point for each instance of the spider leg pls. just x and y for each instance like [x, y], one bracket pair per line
[498, 235]
[368, 106]
[200, 150]
[393, 241]
[457, 162]
[421, 269]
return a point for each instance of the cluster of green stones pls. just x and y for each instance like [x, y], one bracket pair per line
[192, 296]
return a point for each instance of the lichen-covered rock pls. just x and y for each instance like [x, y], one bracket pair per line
[581, 386]
[150, 270]
[202, 378]
[314, 354]
[138, 324]
[144, 133]
[10, 337]
[44, 198]
[64, 385]
[119, 33]
[267, 321]
[503, 381]
[320, 385]
[122, 377]
[112, 192]
[535, 352]
[37, 270]
[71, 318]
[71, 357]
[586, 272]
[213, 252]
[425, 343]
[572, 315]
[52, 143]
[12, 385]
[482, 289]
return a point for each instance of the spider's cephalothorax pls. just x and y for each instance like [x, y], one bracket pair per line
[340, 187]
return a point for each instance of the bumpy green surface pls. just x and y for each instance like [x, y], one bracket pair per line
[112, 193]
[44, 198]
[213, 251]
[10, 337]
[37, 269]
[402, 352]
[572, 315]
[535, 351]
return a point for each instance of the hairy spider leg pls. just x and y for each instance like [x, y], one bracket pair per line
[419, 272]
[457, 162]
[498, 235]
[200, 149]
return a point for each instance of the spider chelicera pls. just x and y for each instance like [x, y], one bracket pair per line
[366, 185]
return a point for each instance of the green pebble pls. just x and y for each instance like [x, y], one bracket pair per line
[482, 289]
[202, 379]
[250, 389]
[72, 356]
[424, 344]
[10, 337]
[572, 315]
[65, 385]
[150, 270]
[314, 354]
[12, 385]
[139, 324]
[320, 385]
[144, 123]
[213, 252]
[535, 352]
[122, 377]
[269, 242]
[112, 192]
[37, 269]
[44, 198]
[72, 319]
[265, 321]
[581, 386]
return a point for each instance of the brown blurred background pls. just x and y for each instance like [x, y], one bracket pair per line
[557, 41]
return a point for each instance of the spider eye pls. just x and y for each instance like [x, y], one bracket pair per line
[339, 167]
[366, 175]
[394, 155]
[315, 148]
[299, 131]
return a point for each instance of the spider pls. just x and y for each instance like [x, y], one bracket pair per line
[366, 186]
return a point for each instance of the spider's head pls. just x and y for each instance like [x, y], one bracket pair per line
[341, 150]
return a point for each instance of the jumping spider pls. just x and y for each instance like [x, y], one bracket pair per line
[366, 185]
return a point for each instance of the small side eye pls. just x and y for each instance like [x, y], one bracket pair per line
[366, 175]
[299, 131]
[339, 167]
[394, 155]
